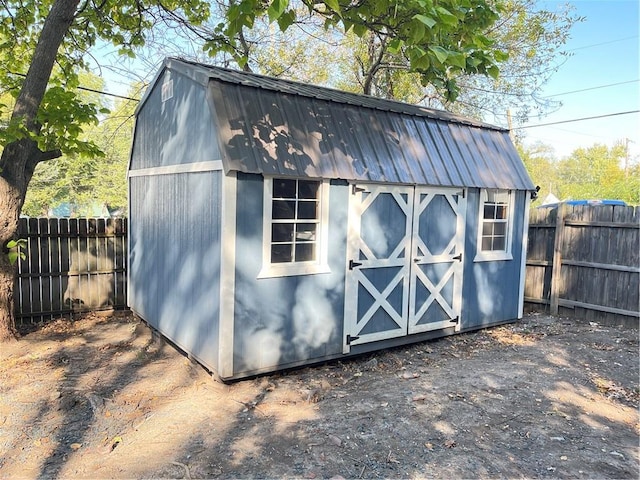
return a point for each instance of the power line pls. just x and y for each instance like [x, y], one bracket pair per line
[603, 43]
[577, 119]
[593, 88]
[87, 89]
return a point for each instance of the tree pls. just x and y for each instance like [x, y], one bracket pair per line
[542, 168]
[84, 181]
[599, 172]
[48, 39]
[594, 173]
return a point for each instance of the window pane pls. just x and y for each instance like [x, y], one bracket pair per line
[486, 244]
[307, 209]
[487, 229]
[305, 252]
[500, 229]
[283, 188]
[281, 253]
[306, 231]
[489, 211]
[283, 209]
[499, 243]
[307, 189]
[282, 232]
[501, 211]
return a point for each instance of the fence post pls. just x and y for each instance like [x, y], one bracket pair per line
[556, 271]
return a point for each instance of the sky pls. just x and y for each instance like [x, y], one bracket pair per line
[603, 72]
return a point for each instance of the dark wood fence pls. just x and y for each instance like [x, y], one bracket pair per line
[70, 265]
[585, 261]
[581, 260]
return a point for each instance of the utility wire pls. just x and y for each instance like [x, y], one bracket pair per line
[603, 43]
[593, 88]
[577, 119]
[87, 89]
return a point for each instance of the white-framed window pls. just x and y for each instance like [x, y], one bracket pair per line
[495, 224]
[295, 231]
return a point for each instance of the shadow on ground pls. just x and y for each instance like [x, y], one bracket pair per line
[544, 397]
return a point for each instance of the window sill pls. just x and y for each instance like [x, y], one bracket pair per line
[293, 270]
[492, 256]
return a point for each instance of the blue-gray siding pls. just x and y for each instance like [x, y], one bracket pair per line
[177, 131]
[174, 259]
[286, 320]
[491, 290]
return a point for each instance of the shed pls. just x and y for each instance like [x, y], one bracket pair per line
[276, 224]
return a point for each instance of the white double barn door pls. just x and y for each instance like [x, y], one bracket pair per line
[404, 254]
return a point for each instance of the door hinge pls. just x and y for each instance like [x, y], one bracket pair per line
[455, 320]
[355, 189]
[351, 339]
[353, 264]
[458, 257]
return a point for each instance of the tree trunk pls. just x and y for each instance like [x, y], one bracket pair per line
[19, 158]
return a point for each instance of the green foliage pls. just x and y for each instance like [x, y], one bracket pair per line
[15, 250]
[63, 114]
[440, 40]
[594, 173]
[599, 172]
[84, 180]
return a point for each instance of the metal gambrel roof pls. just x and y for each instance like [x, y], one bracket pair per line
[279, 127]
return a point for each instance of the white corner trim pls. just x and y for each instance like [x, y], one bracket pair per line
[227, 275]
[523, 254]
[195, 167]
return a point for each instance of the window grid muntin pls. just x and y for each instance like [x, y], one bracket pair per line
[302, 246]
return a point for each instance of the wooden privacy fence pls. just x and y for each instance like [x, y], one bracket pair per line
[585, 261]
[70, 265]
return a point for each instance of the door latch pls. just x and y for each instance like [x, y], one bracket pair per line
[458, 257]
[353, 264]
[351, 339]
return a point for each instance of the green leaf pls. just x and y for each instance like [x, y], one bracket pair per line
[457, 59]
[493, 71]
[360, 29]
[428, 21]
[286, 20]
[416, 32]
[333, 5]
[446, 17]
[440, 53]
[395, 45]
[276, 9]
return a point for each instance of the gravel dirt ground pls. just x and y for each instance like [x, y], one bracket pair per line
[101, 397]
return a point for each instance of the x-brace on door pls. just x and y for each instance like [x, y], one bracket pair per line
[404, 271]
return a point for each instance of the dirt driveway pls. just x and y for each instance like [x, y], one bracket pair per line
[542, 398]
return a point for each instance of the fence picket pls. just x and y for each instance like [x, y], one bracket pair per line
[70, 265]
[593, 269]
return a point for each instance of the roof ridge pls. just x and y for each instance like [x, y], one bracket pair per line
[328, 93]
